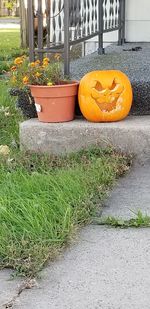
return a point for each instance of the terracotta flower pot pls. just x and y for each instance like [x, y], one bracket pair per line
[55, 103]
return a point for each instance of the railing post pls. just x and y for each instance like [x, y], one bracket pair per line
[120, 24]
[100, 27]
[121, 38]
[66, 39]
[31, 29]
[123, 20]
[40, 30]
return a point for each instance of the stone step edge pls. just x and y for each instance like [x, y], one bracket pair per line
[131, 136]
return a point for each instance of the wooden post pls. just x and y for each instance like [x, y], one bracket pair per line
[0, 8]
[66, 38]
[23, 25]
[31, 32]
[40, 30]
[48, 21]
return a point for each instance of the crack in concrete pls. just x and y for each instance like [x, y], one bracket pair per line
[26, 285]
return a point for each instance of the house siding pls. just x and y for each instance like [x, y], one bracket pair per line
[138, 20]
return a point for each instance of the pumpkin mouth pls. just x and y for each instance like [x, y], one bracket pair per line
[106, 107]
[107, 98]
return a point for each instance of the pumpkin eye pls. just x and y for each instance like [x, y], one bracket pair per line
[98, 86]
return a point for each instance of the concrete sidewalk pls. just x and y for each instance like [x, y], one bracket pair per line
[108, 269]
[8, 287]
[105, 268]
[9, 23]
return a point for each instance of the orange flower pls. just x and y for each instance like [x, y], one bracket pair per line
[13, 68]
[32, 64]
[37, 62]
[18, 61]
[25, 80]
[37, 74]
[46, 59]
[45, 62]
[57, 56]
[44, 65]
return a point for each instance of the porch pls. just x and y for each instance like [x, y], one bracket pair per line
[131, 135]
[66, 23]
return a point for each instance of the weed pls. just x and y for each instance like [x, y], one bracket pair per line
[139, 221]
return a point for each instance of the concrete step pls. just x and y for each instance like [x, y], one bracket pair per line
[135, 64]
[131, 136]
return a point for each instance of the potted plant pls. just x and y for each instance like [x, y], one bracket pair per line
[54, 96]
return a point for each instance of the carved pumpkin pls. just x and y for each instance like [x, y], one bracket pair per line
[105, 96]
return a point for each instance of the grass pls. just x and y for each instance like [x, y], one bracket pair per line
[9, 17]
[9, 117]
[43, 199]
[139, 221]
[9, 48]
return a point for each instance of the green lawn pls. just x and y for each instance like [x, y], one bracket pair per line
[9, 47]
[9, 117]
[42, 204]
[43, 199]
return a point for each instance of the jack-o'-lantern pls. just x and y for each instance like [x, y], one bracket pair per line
[105, 96]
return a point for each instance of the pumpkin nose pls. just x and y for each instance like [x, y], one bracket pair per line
[95, 94]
